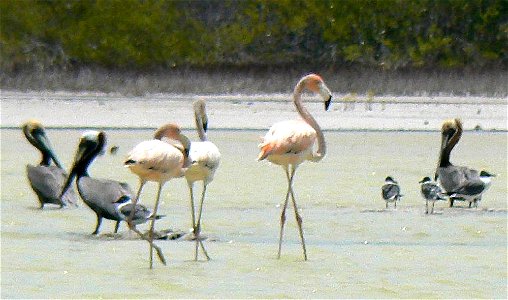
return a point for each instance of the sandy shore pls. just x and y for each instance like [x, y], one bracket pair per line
[98, 110]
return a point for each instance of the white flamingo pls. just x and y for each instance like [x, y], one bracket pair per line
[158, 161]
[204, 159]
[289, 143]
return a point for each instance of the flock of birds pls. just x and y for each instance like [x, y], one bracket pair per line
[170, 154]
[452, 183]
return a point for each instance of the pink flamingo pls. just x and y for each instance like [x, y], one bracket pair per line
[204, 160]
[158, 161]
[289, 143]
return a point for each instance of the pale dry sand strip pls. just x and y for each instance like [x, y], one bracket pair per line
[98, 110]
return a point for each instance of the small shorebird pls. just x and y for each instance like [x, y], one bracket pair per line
[204, 159]
[109, 199]
[472, 190]
[391, 191]
[430, 192]
[290, 143]
[46, 179]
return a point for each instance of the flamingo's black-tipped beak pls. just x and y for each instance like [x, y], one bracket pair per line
[328, 102]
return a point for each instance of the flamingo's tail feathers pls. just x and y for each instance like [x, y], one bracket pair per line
[266, 149]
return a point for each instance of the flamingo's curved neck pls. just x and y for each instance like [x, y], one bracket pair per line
[199, 126]
[307, 117]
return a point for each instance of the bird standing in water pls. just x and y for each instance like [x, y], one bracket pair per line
[391, 191]
[158, 161]
[431, 192]
[46, 179]
[290, 143]
[472, 190]
[204, 159]
[108, 198]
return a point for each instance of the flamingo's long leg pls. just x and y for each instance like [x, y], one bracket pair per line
[283, 213]
[297, 215]
[152, 225]
[193, 216]
[198, 226]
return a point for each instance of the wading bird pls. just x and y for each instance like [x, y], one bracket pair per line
[430, 191]
[107, 198]
[158, 161]
[289, 143]
[46, 179]
[391, 191]
[450, 177]
[204, 159]
[472, 190]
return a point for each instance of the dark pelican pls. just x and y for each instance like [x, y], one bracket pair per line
[46, 180]
[473, 189]
[107, 198]
[431, 192]
[391, 191]
[453, 178]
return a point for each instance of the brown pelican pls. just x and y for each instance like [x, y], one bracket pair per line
[158, 161]
[107, 198]
[453, 178]
[45, 179]
[431, 192]
[204, 158]
[290, 143]
[391, 191]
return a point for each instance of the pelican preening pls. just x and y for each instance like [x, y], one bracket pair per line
[158, 161]
[204, 159]
[430, 191]
[391, 191]
[46, 179]
[289, 143]
[460, 183]
[107, 198]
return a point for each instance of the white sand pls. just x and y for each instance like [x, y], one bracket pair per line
[97, 110]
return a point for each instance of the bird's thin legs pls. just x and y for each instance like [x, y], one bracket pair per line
[197, 231]
[117, 225]
[386, 204]
[426, 206]
[99, 221]
[432, 210]
[134, 202]
[193, 216]
[141, 235]
[152, 225]
[283, 213]
[297, 215]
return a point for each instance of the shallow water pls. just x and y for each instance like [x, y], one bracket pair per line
[356, 248]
